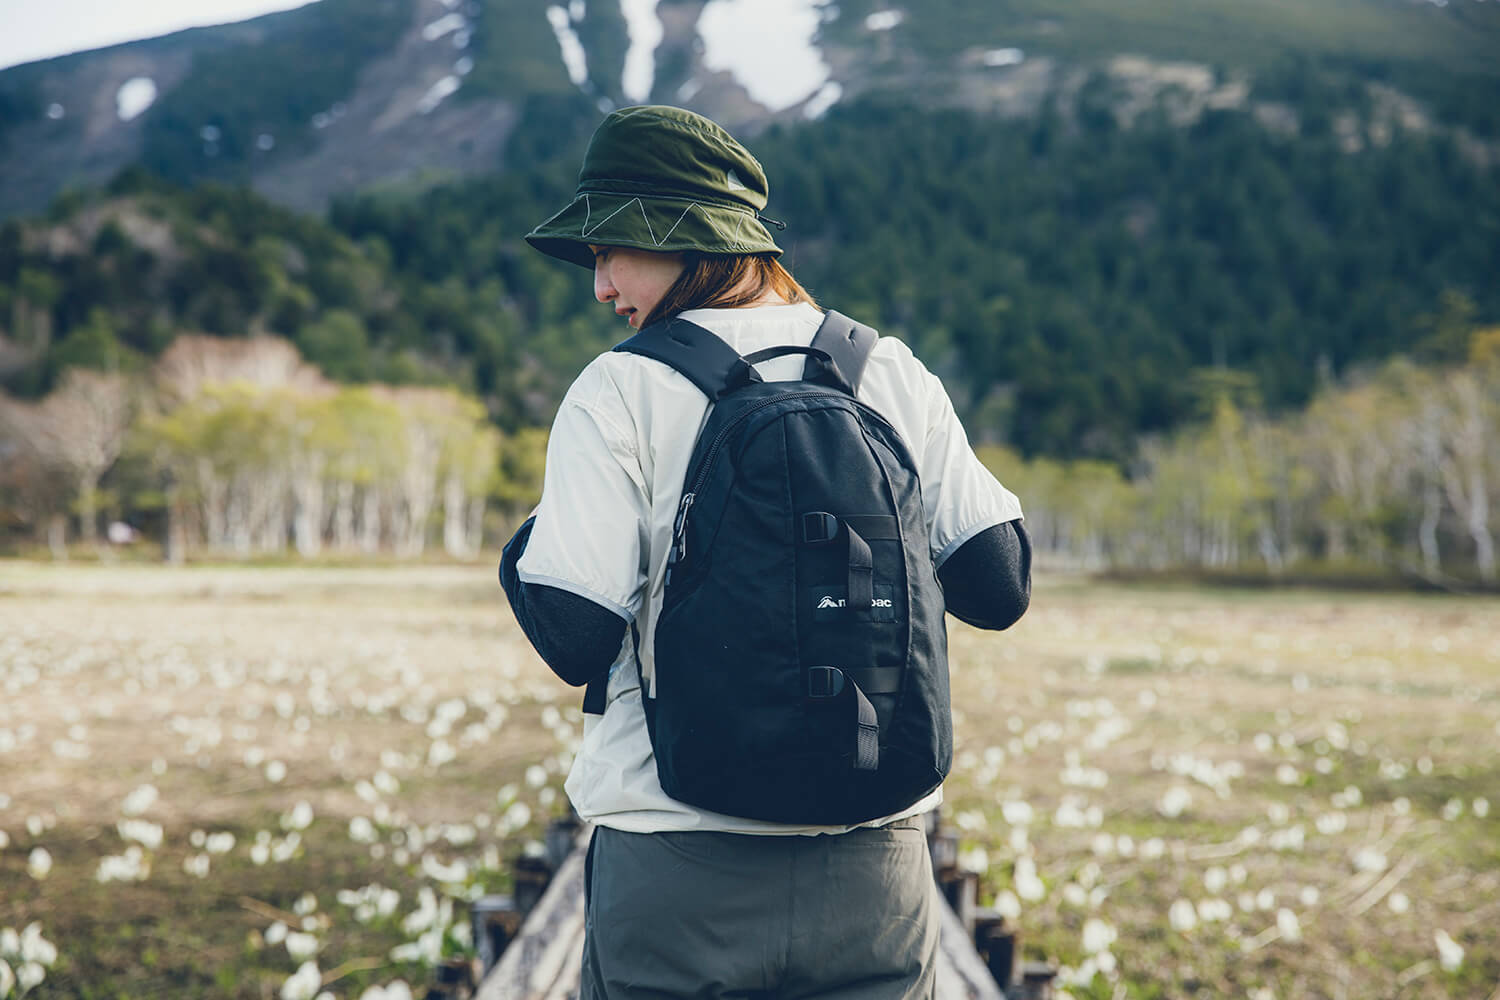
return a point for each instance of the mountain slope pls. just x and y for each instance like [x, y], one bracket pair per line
[345, 94]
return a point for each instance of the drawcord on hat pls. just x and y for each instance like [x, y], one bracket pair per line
[774, 222]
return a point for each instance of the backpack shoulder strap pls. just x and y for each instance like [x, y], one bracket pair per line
[848, 343]
[695, 353]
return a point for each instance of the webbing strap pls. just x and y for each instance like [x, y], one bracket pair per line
[861, 573]
[867, 738]
[875, 527]
[876, 680]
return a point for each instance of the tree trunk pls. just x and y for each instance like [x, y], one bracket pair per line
[455, 537]
[175, 551]
[307, 522]
[215, 501]
[1427, 529]
[369, 521]
[476, 524]
[88, 510]
[1479, 526]
[343, 516]
[57, 535]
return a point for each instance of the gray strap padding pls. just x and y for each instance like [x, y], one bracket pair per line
[848, 343]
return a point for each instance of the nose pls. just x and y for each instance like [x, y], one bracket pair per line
[604, 289]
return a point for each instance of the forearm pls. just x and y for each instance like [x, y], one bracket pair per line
[577, 638]
[987, 582]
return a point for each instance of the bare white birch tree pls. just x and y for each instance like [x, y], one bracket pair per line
[1464, 462]
[77, 430]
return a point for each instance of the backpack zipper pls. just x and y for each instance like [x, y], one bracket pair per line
[679, 525]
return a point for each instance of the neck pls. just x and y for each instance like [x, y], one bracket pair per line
[769, 297]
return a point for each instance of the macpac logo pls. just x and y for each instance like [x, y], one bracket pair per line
[829, 601]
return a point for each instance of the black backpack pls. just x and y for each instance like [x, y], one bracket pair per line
[801, 655]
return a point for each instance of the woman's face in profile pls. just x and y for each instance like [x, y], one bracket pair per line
[633, 281]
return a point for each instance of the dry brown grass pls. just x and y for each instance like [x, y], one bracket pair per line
[1090, 711]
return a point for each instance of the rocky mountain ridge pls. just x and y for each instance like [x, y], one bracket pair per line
[442, 84]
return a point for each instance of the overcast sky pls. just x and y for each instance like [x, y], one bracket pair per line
[40, 29]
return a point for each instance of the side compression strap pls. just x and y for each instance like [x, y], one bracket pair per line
[867, 738]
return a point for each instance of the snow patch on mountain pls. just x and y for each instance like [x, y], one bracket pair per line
[884, 20]
[768, 46]
[134, 97]
[445, 25]
[1004, 57]
[640, 59]
[573, 55]
[826, 97]
[437, 93]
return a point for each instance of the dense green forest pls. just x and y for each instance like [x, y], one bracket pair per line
[1076, 282]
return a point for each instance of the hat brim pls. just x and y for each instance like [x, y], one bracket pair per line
[664, 225]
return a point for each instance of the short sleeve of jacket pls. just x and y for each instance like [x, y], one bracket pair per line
[961, 495]
[590, 532]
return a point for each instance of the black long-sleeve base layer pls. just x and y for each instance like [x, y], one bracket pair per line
[986, 583]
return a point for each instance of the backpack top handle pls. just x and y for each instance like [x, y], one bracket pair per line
[820, 367]
[836, 358]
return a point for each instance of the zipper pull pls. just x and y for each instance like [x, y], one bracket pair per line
[688, 499]
[679, 536]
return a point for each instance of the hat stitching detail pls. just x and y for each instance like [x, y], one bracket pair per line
[588, 209]
[586, 232]
[685, 211]
[654, 192]
[647, 220]
[716, 228]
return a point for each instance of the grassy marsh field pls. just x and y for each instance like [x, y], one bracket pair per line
[272, 782]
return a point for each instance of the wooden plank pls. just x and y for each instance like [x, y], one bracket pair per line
[961, 973]
[545, 960]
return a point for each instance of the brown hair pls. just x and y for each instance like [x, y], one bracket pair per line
[727, 281]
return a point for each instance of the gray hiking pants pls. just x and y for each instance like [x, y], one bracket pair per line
[715, 916]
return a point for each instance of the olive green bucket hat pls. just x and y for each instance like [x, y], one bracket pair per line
[664, 179]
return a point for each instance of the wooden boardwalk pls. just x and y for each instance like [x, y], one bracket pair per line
[544, 958]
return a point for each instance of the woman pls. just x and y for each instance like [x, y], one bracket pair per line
[683, 902]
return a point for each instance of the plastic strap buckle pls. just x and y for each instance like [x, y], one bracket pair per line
[819, 527]
[824, 682]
